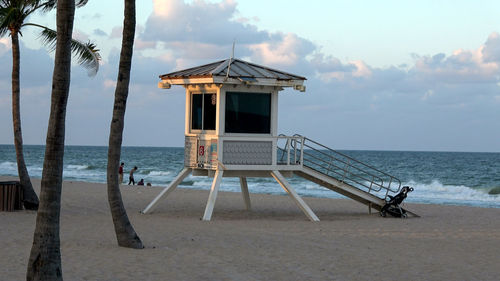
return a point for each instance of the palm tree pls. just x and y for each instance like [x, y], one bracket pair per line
[125, 233]
[45, 257]
[13, 14]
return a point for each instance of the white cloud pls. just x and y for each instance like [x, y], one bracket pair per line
[5, 45]
[203, 31]
[287, 50]
[463, 66]
[80, 35]
[198, 50]
[491, 49]
[108, 83]
[143, 45]
[333, 69]
[427, 95]
[199, 21]
[116, 32]
[167, 8]
[362, 70]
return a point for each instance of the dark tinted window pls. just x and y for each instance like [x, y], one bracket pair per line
[196, 112]
[209, 111]
[203, 111]
[248, 113]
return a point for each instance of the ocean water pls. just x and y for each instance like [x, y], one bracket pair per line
[456, 178]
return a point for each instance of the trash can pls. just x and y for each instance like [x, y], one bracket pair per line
[11, 196]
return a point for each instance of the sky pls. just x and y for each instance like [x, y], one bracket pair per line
[381, 75]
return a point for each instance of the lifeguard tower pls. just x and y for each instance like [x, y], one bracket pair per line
[231, 131]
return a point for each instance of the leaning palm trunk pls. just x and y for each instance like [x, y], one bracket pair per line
[125, 233]
[30, 198]
[45, 258]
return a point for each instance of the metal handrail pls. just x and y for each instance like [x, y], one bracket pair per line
[289, 149]
[338, 165]
[344, 176]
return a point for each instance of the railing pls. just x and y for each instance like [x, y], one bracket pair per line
[291, 153]
[299, 150]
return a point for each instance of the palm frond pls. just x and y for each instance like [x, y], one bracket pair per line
[81, 3]
[87, 54]
[14, 13]
[4, 20]
[52, 4]
[49, 5]
[11, 16]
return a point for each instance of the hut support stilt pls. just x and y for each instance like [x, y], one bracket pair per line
[244, 192]
[288, 188]
[213, 195]
[181, 176]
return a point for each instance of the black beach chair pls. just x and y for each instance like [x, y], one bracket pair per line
[392, 205]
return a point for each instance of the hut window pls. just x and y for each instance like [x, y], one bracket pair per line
[203, 110]
[248, 113]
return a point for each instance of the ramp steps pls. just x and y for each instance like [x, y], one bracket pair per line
[340, 172]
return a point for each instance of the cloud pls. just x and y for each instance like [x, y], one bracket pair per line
[99, 32]
[108, 83]
[36, 66]
[199, 21]
[463, 66]
[80, 35]
[143, 45]
[116, 32]
[328, 68]
[362, 70]
[442, 77]
[428, 95]
[282, 49]
[491, 49]
[247, 20]
[203, 31]
[5, 45]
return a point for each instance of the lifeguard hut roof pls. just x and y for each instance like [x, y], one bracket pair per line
[240, 72]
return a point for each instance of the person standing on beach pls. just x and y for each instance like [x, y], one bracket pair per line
[120, 173]
[131, 176]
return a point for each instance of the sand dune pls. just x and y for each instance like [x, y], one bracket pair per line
[274, 241]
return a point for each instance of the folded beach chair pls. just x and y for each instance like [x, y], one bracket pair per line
[393, 204]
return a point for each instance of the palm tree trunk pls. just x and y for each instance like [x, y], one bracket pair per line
[45, 258]
[125, 233]
[30, 197]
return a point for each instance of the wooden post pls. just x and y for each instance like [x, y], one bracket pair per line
[288, 188]
[213, 195]
[182, 175]
[244, 192]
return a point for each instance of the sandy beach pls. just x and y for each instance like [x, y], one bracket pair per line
[274, 241]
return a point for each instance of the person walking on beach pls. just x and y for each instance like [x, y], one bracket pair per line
[131, 176]
[120, 173]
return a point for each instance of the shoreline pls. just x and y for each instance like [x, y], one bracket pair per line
[273, 241]
[12, 178]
